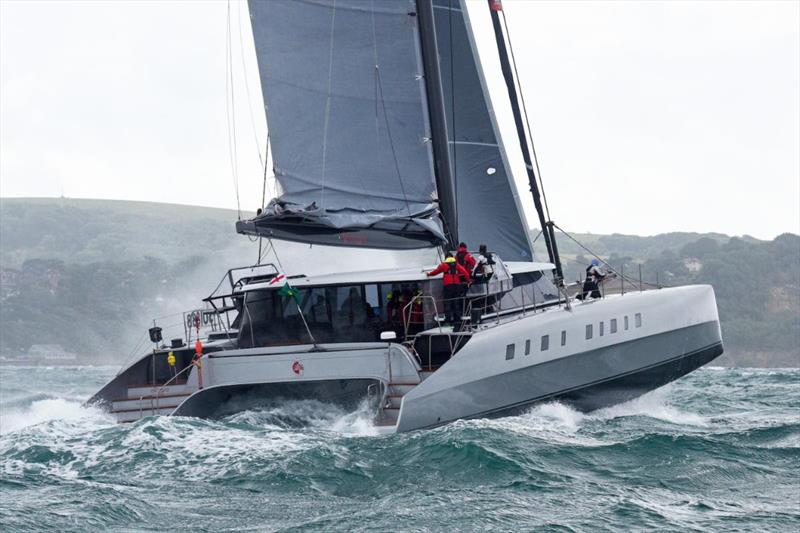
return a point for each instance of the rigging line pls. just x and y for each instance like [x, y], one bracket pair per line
[262, 255]
[266, 165]
[247, 85]
[264, 193]
[328, 106]
[391, 144]
[275, 253]
[610, 268]
[525, 113]
[375, 92]
[230, 110]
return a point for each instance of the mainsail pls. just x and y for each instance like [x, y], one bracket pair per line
[361, 113]
[489, 210]
[345, 96]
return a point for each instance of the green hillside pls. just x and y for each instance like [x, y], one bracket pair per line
[90, 274]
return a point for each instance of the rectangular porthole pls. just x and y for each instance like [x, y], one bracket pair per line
[545, 342]
[563, 337]
[510, 352]
[588, 331]
[613, 326]
[638, 318]
[626, 322]
[602, 328]
[528, 347]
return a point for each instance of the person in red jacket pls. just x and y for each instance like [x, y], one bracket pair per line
[464, 258]
[453, 292]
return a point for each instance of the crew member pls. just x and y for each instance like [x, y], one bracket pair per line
[594, 275]
[417, 318]
[171, 362]
[453, 293]
[464, 258]
[484, 266]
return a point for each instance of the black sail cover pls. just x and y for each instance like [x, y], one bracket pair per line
[344, 92]
[489, 210]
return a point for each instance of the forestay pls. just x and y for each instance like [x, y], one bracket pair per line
[487, 200]
[344, 91]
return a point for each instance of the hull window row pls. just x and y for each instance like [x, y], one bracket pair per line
[612, 327]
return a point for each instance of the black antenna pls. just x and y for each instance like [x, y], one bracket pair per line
[445, 181]
[547, 226]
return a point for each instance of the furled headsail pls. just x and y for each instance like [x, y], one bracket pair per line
[344, 90]
[488, 206]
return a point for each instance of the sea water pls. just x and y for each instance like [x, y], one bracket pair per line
[717, 450]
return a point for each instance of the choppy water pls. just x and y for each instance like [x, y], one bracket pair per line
[718, 450]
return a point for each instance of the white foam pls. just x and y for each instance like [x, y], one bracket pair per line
[48, 410]
[358, 423]
[654, 404]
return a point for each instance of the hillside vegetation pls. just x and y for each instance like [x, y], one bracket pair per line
[89, 275]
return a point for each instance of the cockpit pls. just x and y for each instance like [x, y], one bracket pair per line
[337, 308]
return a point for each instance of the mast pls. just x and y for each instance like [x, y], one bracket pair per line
[436, 109]
[546, 225]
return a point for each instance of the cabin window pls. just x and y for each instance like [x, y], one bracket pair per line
[626, 322]
[373, 299]
[529, 289]
[638, 319]
[563, 337]
[528, 347]
[613, 326]
[510, 351]
[336, 313]
[602, 328]
[545, 342]
[588, 331]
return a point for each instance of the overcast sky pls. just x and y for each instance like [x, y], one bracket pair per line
[648, 117]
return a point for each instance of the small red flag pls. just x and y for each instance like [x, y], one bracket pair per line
[495, 5]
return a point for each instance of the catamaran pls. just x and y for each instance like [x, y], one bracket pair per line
[384, 137]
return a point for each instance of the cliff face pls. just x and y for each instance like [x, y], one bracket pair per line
[90, 274]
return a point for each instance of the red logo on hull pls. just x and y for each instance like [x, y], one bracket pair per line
[297, 367]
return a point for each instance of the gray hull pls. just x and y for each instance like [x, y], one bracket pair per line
[589, 380]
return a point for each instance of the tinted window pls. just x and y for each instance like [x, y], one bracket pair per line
[527, 347]
[638, 319]
[602, 328]
[510, 351]
[545, 342]
[563, 337]
[626, 321]
[613, 326]
[588, 331]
